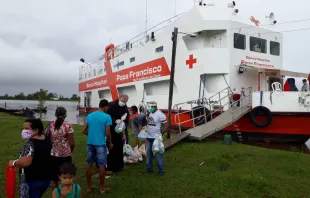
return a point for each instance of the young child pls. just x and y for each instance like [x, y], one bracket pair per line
[67, 188]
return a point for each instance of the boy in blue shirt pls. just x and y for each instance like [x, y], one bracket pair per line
[97, 128]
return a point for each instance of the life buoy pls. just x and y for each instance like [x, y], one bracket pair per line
[200, 111]
[109, 52]
[261, 110]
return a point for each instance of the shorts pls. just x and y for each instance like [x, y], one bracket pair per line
[56, 162]
[96, 153]
[135, 130]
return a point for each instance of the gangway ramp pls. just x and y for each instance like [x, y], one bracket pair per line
[223, 120]
[175, 139]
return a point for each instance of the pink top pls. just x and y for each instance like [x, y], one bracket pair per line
[60, 141]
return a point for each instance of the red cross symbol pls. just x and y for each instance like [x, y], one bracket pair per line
[254, 21]
[191, 61]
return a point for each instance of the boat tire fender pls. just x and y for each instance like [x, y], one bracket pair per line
[265, 111]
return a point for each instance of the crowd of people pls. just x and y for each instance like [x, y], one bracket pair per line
[46, 157]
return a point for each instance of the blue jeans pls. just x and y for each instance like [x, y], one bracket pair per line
[149, 158]
[37, 189]
[96, 154]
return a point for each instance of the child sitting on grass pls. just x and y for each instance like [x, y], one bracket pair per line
[67, 188]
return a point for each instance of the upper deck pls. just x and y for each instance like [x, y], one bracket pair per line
[231, 34]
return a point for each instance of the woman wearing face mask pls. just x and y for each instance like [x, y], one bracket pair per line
[116, 110]
[62, 138]
[34, 158]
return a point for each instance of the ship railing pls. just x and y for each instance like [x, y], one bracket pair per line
[208, 107]
[136, 41]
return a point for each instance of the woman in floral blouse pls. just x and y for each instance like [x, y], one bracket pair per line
[61, 134]
[34, 158]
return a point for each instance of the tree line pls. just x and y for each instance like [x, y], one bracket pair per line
[42, 94]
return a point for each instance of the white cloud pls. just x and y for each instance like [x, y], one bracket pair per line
[41, 42]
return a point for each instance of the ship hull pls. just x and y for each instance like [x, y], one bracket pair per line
[285, 126]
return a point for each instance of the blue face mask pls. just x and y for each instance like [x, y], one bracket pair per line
[151, 109]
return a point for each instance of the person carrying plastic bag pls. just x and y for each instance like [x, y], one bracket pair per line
[155, 121]
[138, 124]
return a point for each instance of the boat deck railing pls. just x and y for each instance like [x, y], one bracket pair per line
[134, 42]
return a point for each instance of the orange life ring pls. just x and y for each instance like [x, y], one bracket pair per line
[109, 52]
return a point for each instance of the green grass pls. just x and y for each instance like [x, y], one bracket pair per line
[228, 171]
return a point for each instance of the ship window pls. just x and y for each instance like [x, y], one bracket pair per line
[239, 41]
[130, 90]
[119, 64]
[159, 49]
[159, 88]
[95, 74]
[274, 48]
[105, 94]
[258, 45]
[132, 59]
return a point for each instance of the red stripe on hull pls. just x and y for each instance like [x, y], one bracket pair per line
[282, 123]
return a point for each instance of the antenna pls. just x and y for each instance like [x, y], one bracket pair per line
[175, 7]
[145, 17]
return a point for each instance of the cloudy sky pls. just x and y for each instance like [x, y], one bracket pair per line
[41, 42]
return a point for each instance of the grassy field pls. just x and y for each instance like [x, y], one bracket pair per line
[228, 171]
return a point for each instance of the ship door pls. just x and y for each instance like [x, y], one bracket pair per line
[271, 80]
[202, 86]
[87, 101]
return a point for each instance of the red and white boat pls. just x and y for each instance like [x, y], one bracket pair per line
[228, 68]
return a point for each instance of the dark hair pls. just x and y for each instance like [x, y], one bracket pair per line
[36, 123]
[60, 114]
[103, 103]
[67, 168]
[304, 80]
[134, 108]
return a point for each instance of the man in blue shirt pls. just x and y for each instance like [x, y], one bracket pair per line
[97, 128]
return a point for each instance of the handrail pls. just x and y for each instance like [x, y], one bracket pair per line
[212, 110]
[122, 46]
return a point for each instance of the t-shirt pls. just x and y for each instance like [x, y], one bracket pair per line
[97, 123]
[60, 141]
[76, 190]
[140, 119]
[154, 124]
[40, 151]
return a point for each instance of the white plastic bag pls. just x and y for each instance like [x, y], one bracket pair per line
[127, 150]
[120, 127]
[142, 135]
[158, 145]
[142, 150]
[120, 124]
[137, 154]
[308, 143]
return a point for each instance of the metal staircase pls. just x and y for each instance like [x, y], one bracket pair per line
[214, 113]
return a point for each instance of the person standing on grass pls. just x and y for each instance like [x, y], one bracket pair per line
[62, 138]
[34, 158]
[67, 187]
[116, 110]
[138, 120]
[155, 120]
[97, 129]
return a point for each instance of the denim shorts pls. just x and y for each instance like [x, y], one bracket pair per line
[95, 152]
